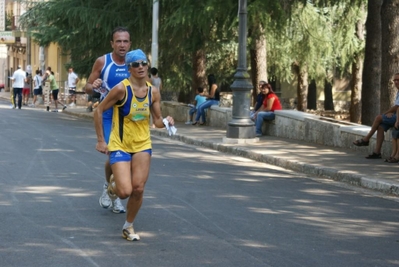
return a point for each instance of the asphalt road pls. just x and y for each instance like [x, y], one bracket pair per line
[201, 207]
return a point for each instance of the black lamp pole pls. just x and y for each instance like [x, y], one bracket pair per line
[241, 126]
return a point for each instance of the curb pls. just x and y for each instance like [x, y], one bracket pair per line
[81, 115]
[305, 168]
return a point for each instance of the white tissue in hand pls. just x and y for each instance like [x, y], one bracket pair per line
[171, 129]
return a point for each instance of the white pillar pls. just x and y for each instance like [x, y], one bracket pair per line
[41, 58]
[154, 44]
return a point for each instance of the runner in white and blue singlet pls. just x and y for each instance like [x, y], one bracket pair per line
[108, 70]
[111, 75]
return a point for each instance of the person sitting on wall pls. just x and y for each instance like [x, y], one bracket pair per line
[213, 98]
[199, 99]
[381, 124]
[394, 158]
[259, 100]
[271, 102]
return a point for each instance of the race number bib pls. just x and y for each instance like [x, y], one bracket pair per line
[103, 90]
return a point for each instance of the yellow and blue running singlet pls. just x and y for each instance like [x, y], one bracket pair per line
[130, 122]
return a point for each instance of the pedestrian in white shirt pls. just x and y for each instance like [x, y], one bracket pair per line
[73, 79]
[19, 79]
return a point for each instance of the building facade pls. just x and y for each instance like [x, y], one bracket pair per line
[17, 48]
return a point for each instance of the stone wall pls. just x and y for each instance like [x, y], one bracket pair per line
[312, 128]
[292, 124]
[179, 111]
[219, 116]
[226, 100]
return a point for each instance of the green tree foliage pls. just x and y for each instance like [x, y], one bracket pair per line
[315, 35]
[83, 28]
[197, 28]
[317, 38]
[306, 40]
[264, 19]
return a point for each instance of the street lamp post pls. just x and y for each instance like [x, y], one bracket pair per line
[241, 126]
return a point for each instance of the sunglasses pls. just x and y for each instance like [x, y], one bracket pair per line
[137, 64]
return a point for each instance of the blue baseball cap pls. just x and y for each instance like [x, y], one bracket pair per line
[135, 55]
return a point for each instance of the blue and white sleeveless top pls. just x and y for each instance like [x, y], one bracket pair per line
[111, 74]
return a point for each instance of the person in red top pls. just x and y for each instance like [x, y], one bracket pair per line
[266, 111]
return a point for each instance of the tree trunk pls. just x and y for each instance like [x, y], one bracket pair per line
[199, 71]
[258, 62]
[389, 51]
[312, 95]
[371, 77]
[254, 76]
[302, 87]
[328, 96]
[356, 83]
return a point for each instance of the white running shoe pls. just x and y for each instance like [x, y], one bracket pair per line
[72, 105]
[189, 122]
[130, 234]
[104, 200]
[117, 206]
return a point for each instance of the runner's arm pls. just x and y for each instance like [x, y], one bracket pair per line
[94, 80]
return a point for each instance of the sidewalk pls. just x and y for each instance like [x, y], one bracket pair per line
[7, 96]
[344, 165]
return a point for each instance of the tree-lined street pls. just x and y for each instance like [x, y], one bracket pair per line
[309, 50]
[201, 207]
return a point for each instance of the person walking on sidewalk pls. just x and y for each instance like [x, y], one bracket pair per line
[129, 146]
[47, 93]
[73, 79]
[92, 101]
[37, 87]
[26, 90]
[18, 78]
[155, 79]
[381, 124]
[108, 70]
[54, 92]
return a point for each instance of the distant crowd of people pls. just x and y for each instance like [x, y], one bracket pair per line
[22, 81]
